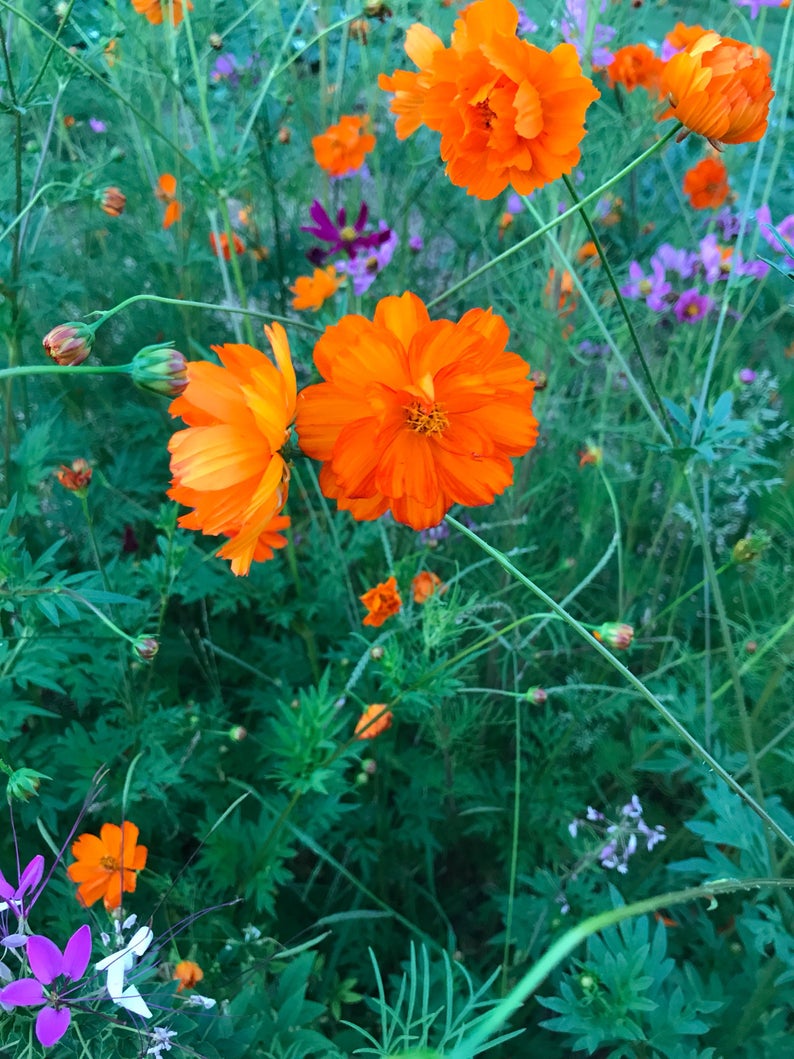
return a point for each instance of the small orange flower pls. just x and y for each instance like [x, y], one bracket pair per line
[508, 112]
[588, 252]
[188, 973]
[367, 727]
[680, 38]
[76, 478]
[416, 414]
[562, 290]
[719, 88]
[706, 184]
[381, 602]
[166, 192]
[156, 9]
[111, 52]
[239, 245]
[68, 121]
[505, 221]
[107, 866]
[425, 585]
[592, 454]
[227, 465]
[341, 148]
[312, 291]
[113, 202]
[635, 66]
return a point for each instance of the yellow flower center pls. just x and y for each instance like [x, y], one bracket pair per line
[645, 286]
[692, 309]
[426, 419]
[109, 863]
[348, 234]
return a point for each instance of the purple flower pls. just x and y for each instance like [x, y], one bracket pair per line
[365, 266]
[654, 288]
[747, 375]
[652, 835]
[756, 5]
[514, 203]
[343, 237]
[730, 223]
[575, 31]
[716, 264]
[525, 23]
[633, 810]
[692, 306]
[785, 229]
[673, 260]
[47, 963]
[97, 125]
[416, 243]
[29, 879]
[227, 68]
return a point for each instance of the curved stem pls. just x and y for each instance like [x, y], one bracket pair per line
[107, 314]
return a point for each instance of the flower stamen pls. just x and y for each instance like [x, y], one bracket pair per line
[426, 419]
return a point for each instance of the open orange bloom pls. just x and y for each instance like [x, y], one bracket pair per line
[706, 184]
[425, 585]
[341, 148]
[416, 414]
[719, 88]
[188, 973]
[227, 464]
[508, 112]
[166, 192]
[381, 602]
[680, 38]
[155, 10]
[635, 66]
[225, 249]
[76, 478]
[312, 291]
[369, 728]
[108, 865]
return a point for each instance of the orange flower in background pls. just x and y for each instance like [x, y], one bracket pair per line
[76, 478]
[188, 974]
[635, 66]
[416, 414]
[719, 88]
[156, 10]
[508, 113]
[225, 249]
[561, 292]
[166, 192]
[706, 184]
[312, 291]
[341, 148]
[381, 602]
[113, 201]
[367, 728]
[227, 465]
[680, 38]
[107, 866]
[425, 585]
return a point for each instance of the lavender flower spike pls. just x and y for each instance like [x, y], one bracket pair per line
[48, 963]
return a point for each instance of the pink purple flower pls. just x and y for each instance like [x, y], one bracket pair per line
[29, 879]
[367, 264]
[674, 260]
[48, 963]
[525, 23]
[97, 125]
[654, 288]
[747, 376]
[784, 229]
[756, 5]
[343, 237]
[575, 31]
[692, 306]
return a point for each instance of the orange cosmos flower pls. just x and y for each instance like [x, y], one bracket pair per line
[166, 192]
[108, 865]
[416, 415]
[381, 602]
[508, 112]
[719, 88]
[227, 464]
[680, 38]
[76, 478]
[341, 148]
[635, 66]
[425, 585]
[706, 184]
[225, 249]
[156, 9]
[312, 291]
[369, 730]
[188, 974]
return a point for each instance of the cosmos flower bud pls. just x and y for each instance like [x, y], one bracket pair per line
[160, 369]
[145, 648]
[749, 548]
[113, 202]
[69, 344]
[237, 733]
[76, 478]
[615, 634]
[537, 696]
[23, 784]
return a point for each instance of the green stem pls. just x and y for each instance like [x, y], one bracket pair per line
[92, 538]
[107, 314]
[627, 675]
[65, 369]
[570, 941]
[592, 197]
[753, 660]
[511, 889]
[616, 513]
[635, 338]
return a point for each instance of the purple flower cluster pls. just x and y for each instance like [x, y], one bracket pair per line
[784, 228]
[365, 253]
[575, 31]
[618, 841]
[227, 69]
[525, 23]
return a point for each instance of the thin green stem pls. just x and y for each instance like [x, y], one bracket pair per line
[616, 513]
[544, 229]
[627, 675]
[107, 314]
[753, 661]
[92, 539]
[65, 369]
[511, 887]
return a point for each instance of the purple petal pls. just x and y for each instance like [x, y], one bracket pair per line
[361, 220]
[24, 993]
[77, 953]
[6, 889]
[45, 958]
[31, 876]
[51, 1024]
[14, 941]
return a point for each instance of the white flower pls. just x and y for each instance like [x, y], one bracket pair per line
[117, 965]
[199, 1001]
[162, 1040]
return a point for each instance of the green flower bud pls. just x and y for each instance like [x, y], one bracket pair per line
[145, 648]
[23, 784]
[160, 369]
[69, 344]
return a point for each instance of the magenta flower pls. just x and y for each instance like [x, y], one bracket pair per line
[653, 288]
[716, 265]
[29, 879]
[367, 264]
[692, 306]
[97, 125]
[785, 228]
[674, 260]
[47, 963]
[343, 237]
[747, 376]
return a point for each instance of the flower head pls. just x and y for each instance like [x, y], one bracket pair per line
[107, 866]
[784, 229]
[227, 465]
[160, 369]
[692, 306]
[635, 66]
[311, 292]
[381, 602]
[113, 202]
[373, 721]
[416, 415]
[188, 973]
[706, 184]
[118, 964]
[14, 896]
[679, 39]
[343, 237]
[340, 150]
[76, 478]
[220, 246]
[719, 88]
[654, 288]
[508, 113]
[69, 344]
[49, 964]
[425, 585]
[615, 634]
[166, 192]
[157, 10]
[364, 268]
